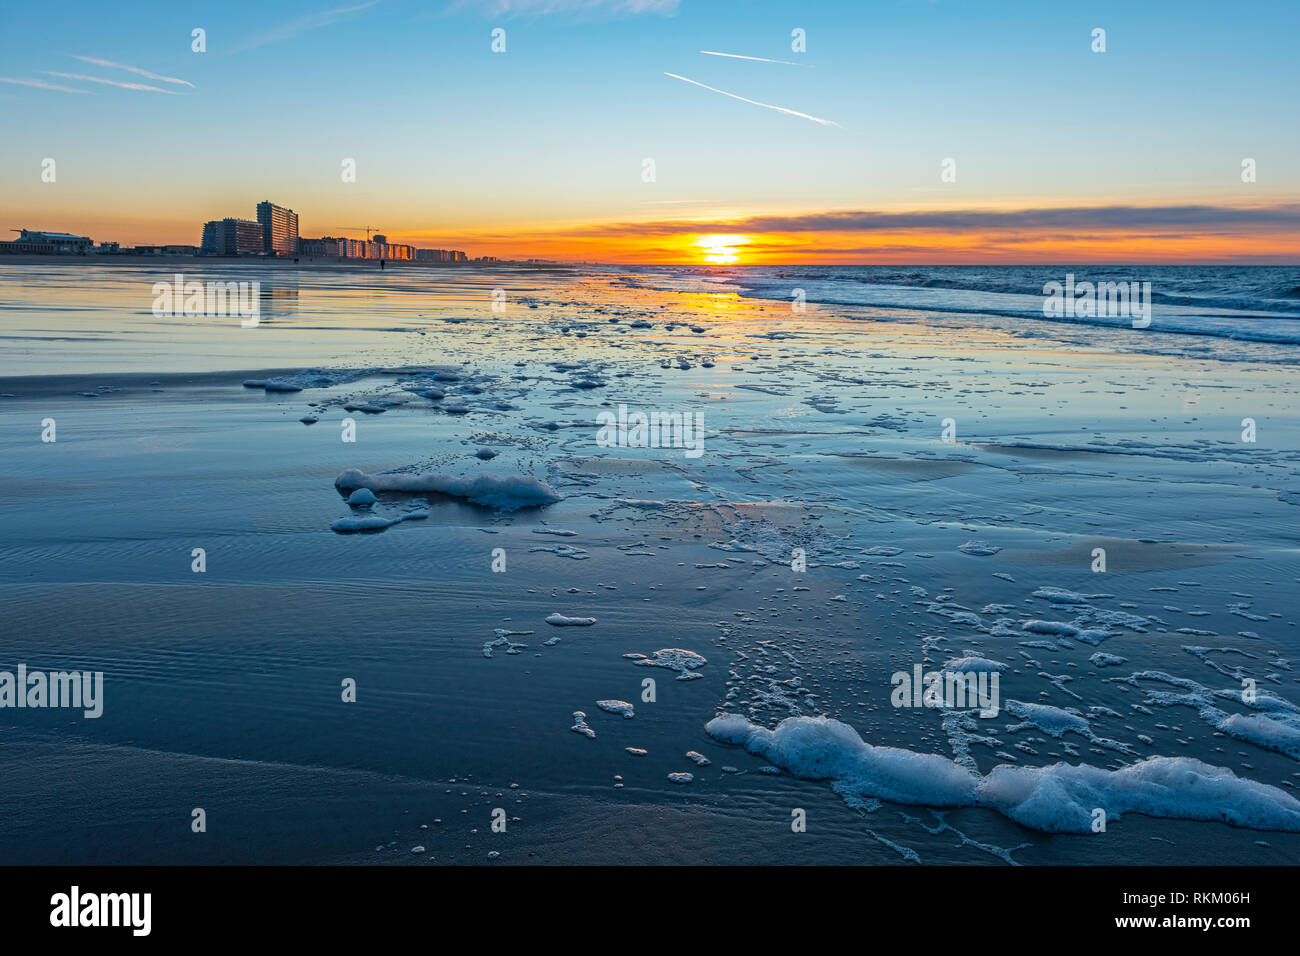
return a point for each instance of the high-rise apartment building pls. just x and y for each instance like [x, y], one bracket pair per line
[279, 229]
[232, 237]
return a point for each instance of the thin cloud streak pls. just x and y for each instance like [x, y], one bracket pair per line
[666, 8]
[769, 106]
[758, 59]
[117, 83]
[1203, 217]
[292, 28]
[1059, 221]
[131, 69]
[41, 85]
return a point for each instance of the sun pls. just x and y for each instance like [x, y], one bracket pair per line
[721, 248]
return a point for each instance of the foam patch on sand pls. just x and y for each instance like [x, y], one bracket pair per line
[1276, 727]
[559, 620]
[1056, 799]
[359, 523]
[975, 665]
[505, 493]
[310, 378]
[684, 662]
[1056, 723]
[617, 707]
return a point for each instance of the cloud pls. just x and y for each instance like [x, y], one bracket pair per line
[779, 109]
[131, 69]
[1072, 218]
[118, 83]
[663, 8]
[757, 59]
[1262, 233]
[1065, 220]
[41, 85]
[299, 25]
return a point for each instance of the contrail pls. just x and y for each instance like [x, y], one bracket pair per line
[119, 83]
[41, 85]
[760, 59]
[132, 69]
[769, 106]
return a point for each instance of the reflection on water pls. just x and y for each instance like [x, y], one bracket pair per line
[58, 318]
[278, 299]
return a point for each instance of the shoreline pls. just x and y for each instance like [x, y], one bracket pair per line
[360, 265]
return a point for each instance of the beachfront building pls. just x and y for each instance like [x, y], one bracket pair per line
[279, 229]
[323, 248]
[35, 243]
[334, 247]
[165, 250]
[232, 237]
[381, 248]
[440, 255]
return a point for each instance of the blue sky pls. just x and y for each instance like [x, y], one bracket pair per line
[451, 139]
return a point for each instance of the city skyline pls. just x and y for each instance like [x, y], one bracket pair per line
[871, 144]
[274, 234]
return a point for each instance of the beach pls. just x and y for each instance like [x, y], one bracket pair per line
[897, 476]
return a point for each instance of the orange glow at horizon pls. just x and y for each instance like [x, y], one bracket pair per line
[693, 242]
[721, 248]
[595, 243]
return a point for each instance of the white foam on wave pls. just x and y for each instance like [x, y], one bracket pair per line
[1059, 798]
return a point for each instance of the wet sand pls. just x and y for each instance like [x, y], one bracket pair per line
[824, 432]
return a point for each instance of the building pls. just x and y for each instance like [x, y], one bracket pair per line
[332, 247]
[233, 237]
[323, 248]
[439, 255]
[335, 247]
[33, 242]
[166, 250]
[279, 229]
[381, 248]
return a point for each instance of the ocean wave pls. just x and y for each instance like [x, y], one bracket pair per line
[1251, 304]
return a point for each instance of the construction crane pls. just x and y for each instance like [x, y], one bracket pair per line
[368, 229]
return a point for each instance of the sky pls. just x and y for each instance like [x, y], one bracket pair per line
[603, 132]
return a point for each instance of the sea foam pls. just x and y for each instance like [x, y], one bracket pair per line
[505, 493]
[1060, 798]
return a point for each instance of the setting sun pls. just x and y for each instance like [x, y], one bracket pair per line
[721, 249]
